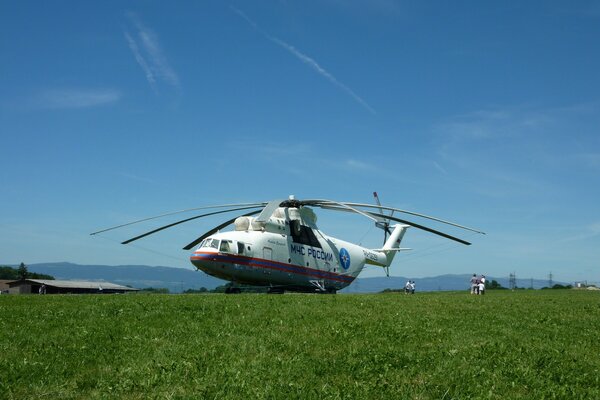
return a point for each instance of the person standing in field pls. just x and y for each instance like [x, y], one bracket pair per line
[474, 284]
[412, 287]
[407, 287]
[482, 284]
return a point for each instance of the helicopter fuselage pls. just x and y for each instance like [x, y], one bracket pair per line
[283, 254]
[268, 259]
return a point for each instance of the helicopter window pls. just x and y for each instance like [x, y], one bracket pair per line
[240, 247]
[314, 242]
[225, 247]
[303, 234]
[214, 243]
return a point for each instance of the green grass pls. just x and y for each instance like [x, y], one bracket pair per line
[524, 344]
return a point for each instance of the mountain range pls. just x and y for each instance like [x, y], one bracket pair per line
[180, 279]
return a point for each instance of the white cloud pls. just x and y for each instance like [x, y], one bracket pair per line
[519, 150]
[440, 168]
[494, 123]
[587, 232]
[149, 55]
[280, 149]
[590, 160]
[355, 165]
[136, 178]
[77, 98]
[303, 154]
[520, 121]
[307, 60]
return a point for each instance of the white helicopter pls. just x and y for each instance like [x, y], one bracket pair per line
[282, 248]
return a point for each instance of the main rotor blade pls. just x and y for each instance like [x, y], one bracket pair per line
[424, 228]
[385, 224]
[418, 226]
[217, 228]
[181, 222]
[329, 204]
[261, 204]
[378, 202]
[268, 210]
[340, 206]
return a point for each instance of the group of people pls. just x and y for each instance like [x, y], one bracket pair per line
[409, 288]
[478, 284]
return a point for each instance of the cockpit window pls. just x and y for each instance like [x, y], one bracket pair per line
[225, 247]
[214, 243]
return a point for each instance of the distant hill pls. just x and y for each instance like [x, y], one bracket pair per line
[180, 279]
[138, 276]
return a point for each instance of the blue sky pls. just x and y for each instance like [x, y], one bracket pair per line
[483, 114]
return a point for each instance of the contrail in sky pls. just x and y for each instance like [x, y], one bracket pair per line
[140, 59]
[149, 55]
[305, 59]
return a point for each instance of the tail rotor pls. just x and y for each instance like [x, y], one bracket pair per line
[383, 223]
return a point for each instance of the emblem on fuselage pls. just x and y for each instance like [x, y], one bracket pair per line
[344, 258]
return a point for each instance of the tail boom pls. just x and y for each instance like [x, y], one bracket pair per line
[390, 248]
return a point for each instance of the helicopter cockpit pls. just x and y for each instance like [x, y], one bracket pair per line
[224, 246]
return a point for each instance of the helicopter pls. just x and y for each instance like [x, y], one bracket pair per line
[282, 248]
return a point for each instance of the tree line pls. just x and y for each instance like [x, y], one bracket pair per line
[10, 273]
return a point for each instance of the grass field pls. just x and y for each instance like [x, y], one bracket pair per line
[523, 344]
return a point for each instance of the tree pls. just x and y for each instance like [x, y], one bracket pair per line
[10, 273]
[201, 290]
[559, 286]
[494, 285]
[22, 271]
[35, 275]
[155, 290]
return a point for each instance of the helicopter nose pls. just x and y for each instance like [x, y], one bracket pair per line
[200, 263]
[204, 261]
[201, 260]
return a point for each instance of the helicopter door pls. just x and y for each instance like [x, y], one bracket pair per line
[267, 253]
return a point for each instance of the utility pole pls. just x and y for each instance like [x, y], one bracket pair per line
[550, 280]
[512, 281]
